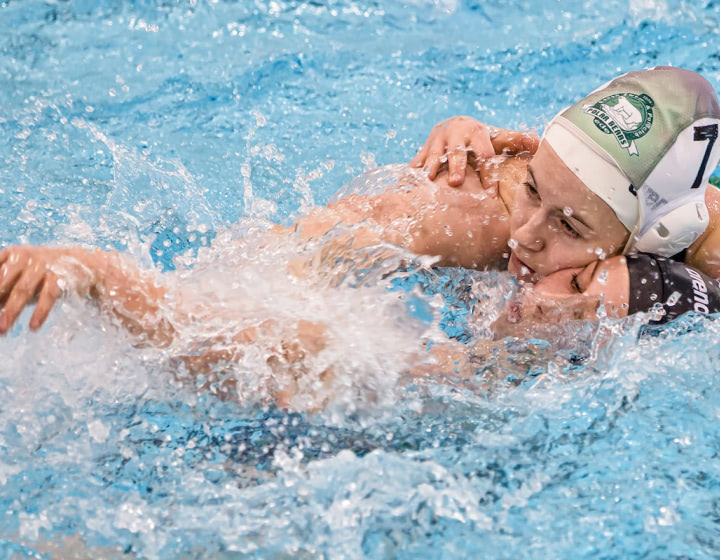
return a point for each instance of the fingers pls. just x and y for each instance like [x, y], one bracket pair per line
[513, 141]
[435, 158]
[457, 164]
[8, 277]
[49, 294]
[21, 294]
[419, 159]
[455, 139]
[480, 143]
[489, 171]
[458, 137]
[24, 274]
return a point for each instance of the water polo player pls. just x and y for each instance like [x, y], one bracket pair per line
[637, 153]
[624, 285]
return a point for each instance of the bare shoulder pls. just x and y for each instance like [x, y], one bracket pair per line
[465, 226]
[469, 225]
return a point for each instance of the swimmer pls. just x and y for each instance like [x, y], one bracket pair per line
[625, 169]
[573, 201]
[624, 285]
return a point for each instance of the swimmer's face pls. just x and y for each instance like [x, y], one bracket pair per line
[571, 294]
[557, 222]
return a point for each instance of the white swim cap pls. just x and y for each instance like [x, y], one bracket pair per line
[646, 144]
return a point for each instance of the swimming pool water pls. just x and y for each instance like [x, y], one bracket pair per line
[160, 128]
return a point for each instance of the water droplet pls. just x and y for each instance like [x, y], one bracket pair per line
[568, 211]
[512, 243]
[674, 298]
[657, 312]
[603, 277]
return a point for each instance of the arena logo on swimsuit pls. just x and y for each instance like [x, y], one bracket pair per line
[699, 291]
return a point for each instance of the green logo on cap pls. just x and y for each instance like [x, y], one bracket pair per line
[624, 115]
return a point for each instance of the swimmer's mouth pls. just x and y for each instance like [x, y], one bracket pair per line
[519, 265]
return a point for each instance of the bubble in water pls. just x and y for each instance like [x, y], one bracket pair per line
[600, 253]
[653, 296]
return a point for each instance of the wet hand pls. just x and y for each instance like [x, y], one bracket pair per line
[29, 274]
[460, 137]
[454, 138]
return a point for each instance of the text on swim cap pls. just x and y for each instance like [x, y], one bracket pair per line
[699, 291]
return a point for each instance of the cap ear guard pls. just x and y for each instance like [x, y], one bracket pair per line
[674, 231]
[659, 131]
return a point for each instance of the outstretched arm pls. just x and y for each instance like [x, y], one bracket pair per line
[42, 274]
[151, 313]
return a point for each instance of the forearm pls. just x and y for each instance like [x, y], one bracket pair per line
[114, 284]
[133, 296]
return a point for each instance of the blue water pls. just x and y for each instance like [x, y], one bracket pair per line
[164, 130]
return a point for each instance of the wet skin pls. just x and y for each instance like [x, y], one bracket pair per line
[458, 137]
[557, 222]
[569, 294]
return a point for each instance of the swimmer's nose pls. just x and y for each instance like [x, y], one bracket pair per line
[529, 235]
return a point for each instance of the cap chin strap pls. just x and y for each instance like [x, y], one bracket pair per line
[675, 231]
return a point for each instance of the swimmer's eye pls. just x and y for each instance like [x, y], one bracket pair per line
[574, 283]
[571, 231]
[531, 190]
